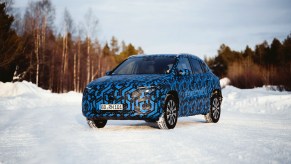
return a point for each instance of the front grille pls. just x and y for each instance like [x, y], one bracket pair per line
[136, 103]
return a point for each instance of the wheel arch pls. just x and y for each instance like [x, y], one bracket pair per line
[217, 92]
[175, 94]
[209, 117]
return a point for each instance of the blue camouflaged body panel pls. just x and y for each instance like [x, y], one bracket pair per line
[137, 103]
[143, 95]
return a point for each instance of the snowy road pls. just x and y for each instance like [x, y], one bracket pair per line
[39, 127]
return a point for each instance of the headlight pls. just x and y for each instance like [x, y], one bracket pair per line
[138, 92]
[147, 89]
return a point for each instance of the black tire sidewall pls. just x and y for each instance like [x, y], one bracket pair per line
[211, 111]
[100, 123]
[170, 97]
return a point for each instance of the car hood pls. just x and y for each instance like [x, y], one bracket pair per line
[131, 80]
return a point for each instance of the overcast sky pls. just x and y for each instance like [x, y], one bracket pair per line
[174, 26]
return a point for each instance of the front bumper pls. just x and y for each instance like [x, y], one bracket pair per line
[138, 104]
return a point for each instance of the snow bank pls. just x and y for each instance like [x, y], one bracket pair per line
[224, 82]
[257, 100]
[25, 95]
[21, 89]
[38, 126]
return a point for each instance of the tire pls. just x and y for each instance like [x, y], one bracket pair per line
[96, 123]
[169, 117]
[215, 110]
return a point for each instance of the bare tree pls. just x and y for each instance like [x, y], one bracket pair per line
[8, 5]
[91, 23]
[96, 62]
[39, 18]
[67, 31]
[79, 57]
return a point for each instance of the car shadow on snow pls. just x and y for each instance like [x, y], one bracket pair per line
[120, 125]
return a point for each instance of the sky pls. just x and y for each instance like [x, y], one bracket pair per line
[182, 26]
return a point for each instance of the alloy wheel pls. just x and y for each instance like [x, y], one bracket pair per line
[215, 108]
[171, 112]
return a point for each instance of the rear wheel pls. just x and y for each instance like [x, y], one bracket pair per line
[96, 123]
[215, 110]
[168, 119]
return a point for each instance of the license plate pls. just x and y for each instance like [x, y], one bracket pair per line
[111, 106]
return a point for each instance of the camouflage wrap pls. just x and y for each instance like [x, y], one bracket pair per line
[143, 96]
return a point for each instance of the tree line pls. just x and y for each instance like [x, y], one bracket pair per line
[32, 50]
[265, 65]
[67, 57]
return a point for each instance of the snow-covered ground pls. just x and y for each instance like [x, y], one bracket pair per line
[37, 126]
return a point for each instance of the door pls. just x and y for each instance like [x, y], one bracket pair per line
[200, 86]
[183, 86]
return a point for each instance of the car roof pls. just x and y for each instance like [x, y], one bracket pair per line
[165, 55]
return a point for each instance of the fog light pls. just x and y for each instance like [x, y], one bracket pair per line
[135, 94]
[146, 106]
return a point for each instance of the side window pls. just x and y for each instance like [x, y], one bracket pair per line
[196, 66]
[204, 67]
[184, 64]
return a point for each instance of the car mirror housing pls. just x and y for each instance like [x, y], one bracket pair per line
[108, 73]
[184, 72]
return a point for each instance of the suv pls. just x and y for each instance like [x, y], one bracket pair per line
[155, 88]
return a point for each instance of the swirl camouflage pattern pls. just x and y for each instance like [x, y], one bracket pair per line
[143, 94]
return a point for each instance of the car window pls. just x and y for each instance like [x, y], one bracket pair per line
[196, 66]
[204, 67]
[145, 65]
[184, 64]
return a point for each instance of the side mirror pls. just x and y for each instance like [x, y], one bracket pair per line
[108, 73]
[184, 72]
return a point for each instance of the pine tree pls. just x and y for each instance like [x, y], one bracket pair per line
[9, 46]
[114, 46]
[274, 53]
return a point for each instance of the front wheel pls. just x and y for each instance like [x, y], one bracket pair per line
[96, 123]
[215, 110]
[168, 119]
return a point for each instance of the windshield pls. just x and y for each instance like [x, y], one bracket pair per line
[145, 65]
